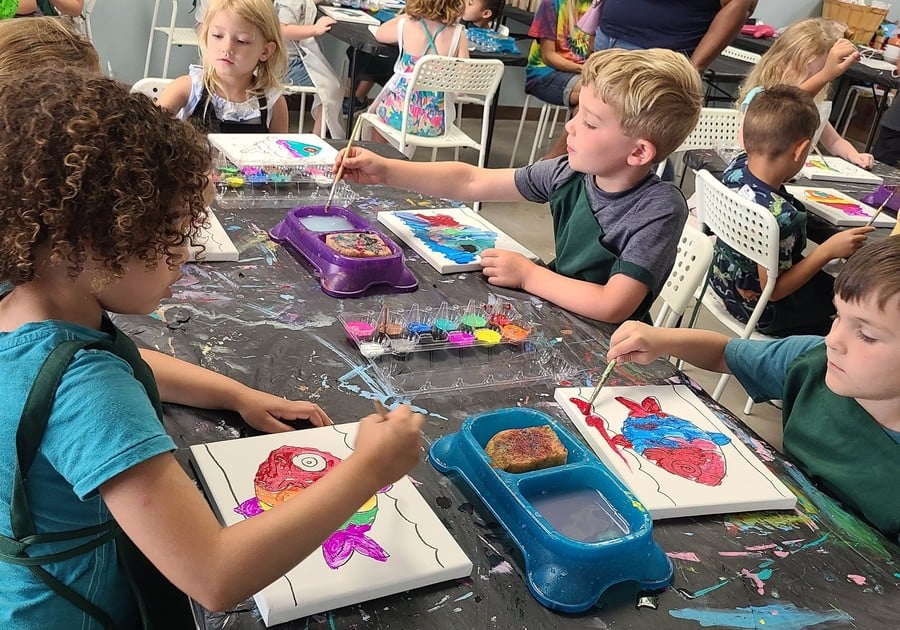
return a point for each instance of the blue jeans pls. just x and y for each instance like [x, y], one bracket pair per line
[602, 41]
[297, 74]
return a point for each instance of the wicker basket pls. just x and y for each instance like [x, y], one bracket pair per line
[862, 21]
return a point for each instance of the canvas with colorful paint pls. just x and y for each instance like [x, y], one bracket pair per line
[450, 239]
[393, 543]
[837, 169]
[267, 149]
[670, 449]
[837, 208]
[213, 243]
[347, 14]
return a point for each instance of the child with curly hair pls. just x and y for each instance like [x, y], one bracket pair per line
[238, 87]
[420, 30]
[44, 41]
[100, 195]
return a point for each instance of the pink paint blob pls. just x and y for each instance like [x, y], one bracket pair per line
[690, 556]
[859, 580]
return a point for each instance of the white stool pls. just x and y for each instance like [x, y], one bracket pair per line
[542, 126]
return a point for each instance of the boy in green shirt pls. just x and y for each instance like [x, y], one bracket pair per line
[840, 393]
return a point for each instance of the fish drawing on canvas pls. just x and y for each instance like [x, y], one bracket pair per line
[289, 470]
[442, 233]
[674, 444]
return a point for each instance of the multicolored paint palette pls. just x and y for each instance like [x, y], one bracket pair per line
[393, 543]
[838, 208]
[446, 327]
[673, 452]
[450, 239]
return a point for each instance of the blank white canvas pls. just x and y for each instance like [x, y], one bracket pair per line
[217, 246]
[747, 484]
[836, 216]
[262, 149]
[464, 216]
[839, 170]
[420, 549]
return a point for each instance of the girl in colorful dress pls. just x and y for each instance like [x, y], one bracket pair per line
[422, 30]
[238, 87]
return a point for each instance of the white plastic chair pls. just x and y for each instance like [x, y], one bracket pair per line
[305, 91]
[543, 126]
[695, 252]
[181, 36]
[749, 229]
[83, 22]
[717, 128]
[151, 87]
[451, 75]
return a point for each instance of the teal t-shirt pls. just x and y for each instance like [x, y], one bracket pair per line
[102, 423]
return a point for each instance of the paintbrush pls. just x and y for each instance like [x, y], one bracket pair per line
[603, 378]
[880, 208]
[818, 153]
[380, 409]
[340, 173]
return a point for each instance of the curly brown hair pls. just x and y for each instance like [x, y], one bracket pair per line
[92, 170]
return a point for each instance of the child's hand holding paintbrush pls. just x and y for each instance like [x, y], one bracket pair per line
[361, 166]
[391, 441]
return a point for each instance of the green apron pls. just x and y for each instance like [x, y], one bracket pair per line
[580, 252]
[839, 443]
[161, 605]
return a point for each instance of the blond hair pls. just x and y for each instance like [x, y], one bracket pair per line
[443, 11]
[261, 14]
[777, 119]
[788, 60]
[656, 93]
[41, 41]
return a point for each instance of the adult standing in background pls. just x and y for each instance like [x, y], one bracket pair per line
[69, 8]
[698, 28]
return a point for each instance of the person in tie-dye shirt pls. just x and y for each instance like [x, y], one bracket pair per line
[559, 49]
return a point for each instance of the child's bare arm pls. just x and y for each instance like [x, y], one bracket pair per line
[555, 60]
[295, 32]
[279, 122]
[450, 180]
[176, 94]
[613, 302]
[841, 245]
[163, 512]
[387, 32]
[184, 383]
[841, 147]
[838, 60]
[640, 343]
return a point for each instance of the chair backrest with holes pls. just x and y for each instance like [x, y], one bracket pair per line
[745, 226]
[151, 86]
[717, 128]
[695, 252]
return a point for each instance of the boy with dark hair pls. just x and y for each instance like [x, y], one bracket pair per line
[778, 128]
[840, 394]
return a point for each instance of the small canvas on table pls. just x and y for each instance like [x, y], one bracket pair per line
[450, 239]
[837, 208]
[837, 169]
[345, 14]
[670, 449]
[393, 543]
[216, 246]
[270, 149]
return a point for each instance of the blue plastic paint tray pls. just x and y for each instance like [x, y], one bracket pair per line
[305, 230]
[578, 527]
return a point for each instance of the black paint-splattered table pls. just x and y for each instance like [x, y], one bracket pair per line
[264, 321]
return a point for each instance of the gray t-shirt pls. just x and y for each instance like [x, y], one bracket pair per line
[641, 225]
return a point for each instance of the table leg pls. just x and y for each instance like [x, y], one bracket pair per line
[492, 117]
[879, 112]
[351, 111]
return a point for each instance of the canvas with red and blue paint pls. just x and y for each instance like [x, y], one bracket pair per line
[672, 451]
[394, 542]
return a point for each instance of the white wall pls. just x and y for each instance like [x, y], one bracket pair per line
[780, 13]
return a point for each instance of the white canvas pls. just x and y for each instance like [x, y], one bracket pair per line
[273, 149]
[680, 462]
[835, 215]
[217, 247]
[450, 248]
[345, 14]
[406, 546]
[837, 169]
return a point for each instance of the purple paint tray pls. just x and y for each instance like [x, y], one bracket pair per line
[304, 231]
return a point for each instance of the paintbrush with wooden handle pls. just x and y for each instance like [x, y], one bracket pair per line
[340, 172]
[881, 207]
[603, 378]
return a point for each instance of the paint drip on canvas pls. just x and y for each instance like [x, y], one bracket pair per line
[447, 236]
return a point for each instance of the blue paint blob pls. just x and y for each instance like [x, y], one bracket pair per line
[771, 617]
